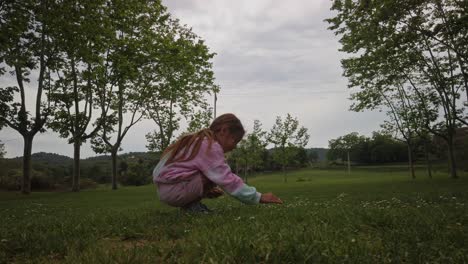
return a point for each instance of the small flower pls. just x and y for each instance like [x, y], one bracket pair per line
[341, 195]
[353, 240]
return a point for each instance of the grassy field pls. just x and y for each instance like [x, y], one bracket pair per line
[374, 215]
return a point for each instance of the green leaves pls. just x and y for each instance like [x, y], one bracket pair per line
[287, 137]
[176, 82]
[2, 150]
[27, 47]
[406, 57]
[250, 151]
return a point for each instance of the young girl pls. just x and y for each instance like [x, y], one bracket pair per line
[193, 167]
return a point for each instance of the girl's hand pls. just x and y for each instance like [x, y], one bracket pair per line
[214, 192]
[270, 198]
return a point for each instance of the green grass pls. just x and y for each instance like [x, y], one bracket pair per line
[374, 215]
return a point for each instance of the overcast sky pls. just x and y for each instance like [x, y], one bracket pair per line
[273, 58]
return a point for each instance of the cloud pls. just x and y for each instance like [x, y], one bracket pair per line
[273, 58]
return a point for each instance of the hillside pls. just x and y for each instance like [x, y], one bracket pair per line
[47, 158]
[57, 159]
[130, 156]
[322, 153]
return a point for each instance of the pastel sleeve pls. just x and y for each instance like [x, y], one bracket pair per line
[213, 165]
[232, 184]
[247, 194]
[159, 167]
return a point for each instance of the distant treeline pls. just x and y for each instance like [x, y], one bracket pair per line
[54, 171]
[383, 148]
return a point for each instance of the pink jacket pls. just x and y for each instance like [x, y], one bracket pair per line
[211, 163]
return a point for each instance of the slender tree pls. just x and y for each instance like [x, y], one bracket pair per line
[180, 80]
[248, 155]
[27, 52]
[2, 150]
[413, 43]
[239, 157]
[135, 24]
[197, 120]
[256, 143]
[287, 136]
[200, 119]
[81, 53]
[343, 146]
[402, 113]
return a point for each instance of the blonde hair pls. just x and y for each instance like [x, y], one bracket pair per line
[179, 150]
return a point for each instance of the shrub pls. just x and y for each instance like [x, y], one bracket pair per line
[136, 175]
[86, 183]
[39, 181]
[12, 180]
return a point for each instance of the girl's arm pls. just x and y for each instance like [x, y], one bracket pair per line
[212, 164]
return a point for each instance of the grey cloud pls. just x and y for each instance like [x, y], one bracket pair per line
[273, 57]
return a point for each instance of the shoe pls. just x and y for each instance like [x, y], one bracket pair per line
[205, 208]
[196, 207]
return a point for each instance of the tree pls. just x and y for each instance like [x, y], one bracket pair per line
[287, 136]
[301, 158]
[98, 173]
[385, 148]
[136, 174]
[238, 157]
[135, 25]
[180, 79]
[402, 112]
[2, 150]
[81, 59]
[256, 143]
[123, 167]
[157, 141]
[249, 152]
[408, 43]
[342, 146]
[27, 50]
[200, 119]
[313, 156]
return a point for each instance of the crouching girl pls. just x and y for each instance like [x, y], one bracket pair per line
[194, 168]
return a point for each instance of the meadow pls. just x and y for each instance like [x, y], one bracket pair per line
[373, 215]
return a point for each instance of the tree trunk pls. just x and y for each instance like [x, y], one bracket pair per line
[284, 174]
[410, 161]
[76, 167]
[114, 169]
[349, 164]
[245, 173]
[27, 165]
[428, 162]
[452, 162]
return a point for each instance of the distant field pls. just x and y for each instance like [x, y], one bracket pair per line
[374, 215]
